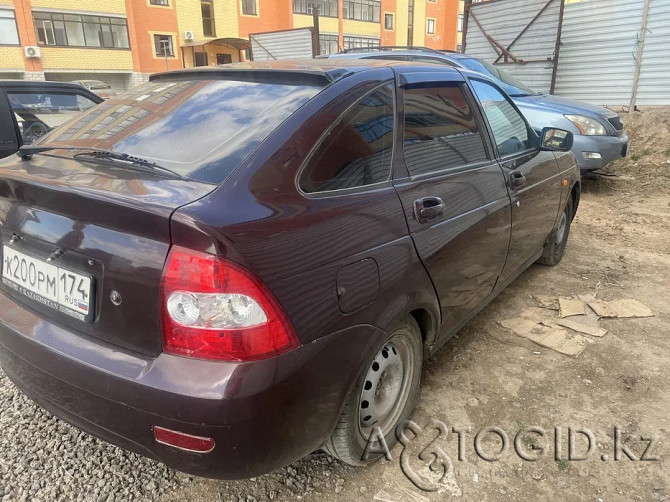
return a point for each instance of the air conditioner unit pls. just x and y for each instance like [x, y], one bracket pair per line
[188, 35]
[32, 51]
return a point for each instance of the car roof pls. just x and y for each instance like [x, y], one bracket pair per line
[40, 84]
[450, 56]
[323, 71]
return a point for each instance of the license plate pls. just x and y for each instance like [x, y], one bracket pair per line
[58, 288]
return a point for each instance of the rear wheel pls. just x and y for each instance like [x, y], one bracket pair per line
[554, 249]
[383, 397]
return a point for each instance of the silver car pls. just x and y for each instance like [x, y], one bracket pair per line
[599, 136]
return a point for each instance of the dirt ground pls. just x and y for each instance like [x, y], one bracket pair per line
[487, 376]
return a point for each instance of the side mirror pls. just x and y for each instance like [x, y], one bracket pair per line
[557, 140]
[10, 136]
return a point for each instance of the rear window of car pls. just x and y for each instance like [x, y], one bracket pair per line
[202, 129]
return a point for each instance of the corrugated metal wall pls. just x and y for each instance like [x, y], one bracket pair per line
[282, 45]
[503, 20]
[598, 47]
[655, 72]
[599, 44]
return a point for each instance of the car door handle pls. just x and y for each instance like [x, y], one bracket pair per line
[428, 208]
[516, 180]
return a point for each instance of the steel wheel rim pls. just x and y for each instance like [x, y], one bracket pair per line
[386, 386]
[562, 225]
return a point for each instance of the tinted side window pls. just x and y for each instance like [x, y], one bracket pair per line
[440, 130]
[357, 150]
[508, 126]
[39, 112]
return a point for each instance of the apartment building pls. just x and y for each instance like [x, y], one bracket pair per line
[110, 40]
[219, 29]
[123, 41]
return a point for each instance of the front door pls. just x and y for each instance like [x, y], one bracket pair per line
[455, 199]
[532, 177]
[201, 59]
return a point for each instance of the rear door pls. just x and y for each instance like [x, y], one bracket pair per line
[532, 176]
[454, 195]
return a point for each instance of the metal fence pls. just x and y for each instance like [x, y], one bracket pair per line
[609, 52]
[285, 44]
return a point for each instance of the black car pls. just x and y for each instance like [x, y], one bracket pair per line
[231, 267]
[41, 106]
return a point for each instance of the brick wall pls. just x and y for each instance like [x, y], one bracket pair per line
[59, 58]
[11, 58]
[111, 6]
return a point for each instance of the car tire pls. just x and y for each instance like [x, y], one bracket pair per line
[375, 401]
[555, 247]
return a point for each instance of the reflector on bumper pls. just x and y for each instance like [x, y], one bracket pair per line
[183, 441]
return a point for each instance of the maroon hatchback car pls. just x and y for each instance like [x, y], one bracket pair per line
[229, 268]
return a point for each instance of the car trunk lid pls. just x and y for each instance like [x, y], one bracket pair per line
[105, 228]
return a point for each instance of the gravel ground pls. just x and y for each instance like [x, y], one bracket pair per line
[44, 459]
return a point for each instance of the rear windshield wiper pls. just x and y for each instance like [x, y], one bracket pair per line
[26, 152]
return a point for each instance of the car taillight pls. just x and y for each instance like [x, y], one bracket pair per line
[215, 309]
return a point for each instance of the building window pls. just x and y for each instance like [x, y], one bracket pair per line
[431, 26]
[362, 10]
[8, 33]
[163, 45]
[327, 8]
[208, 27]
[328, 44]
[350, 42]
[81, 31]
[159, 2]
[388, 21]
[249, 7]
[224, 58]
[460, 22]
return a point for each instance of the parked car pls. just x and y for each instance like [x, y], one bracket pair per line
[105, 91]
[255, 263]
[599, 136]
[41, 106]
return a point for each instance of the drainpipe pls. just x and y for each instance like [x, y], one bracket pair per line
[316, 43]
[410, 23]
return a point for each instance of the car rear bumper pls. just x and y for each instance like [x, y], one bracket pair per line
[262, 415]
[610, 148]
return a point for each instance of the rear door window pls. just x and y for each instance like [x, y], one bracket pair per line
[357, 150]
[508, 126]
[440, 130]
